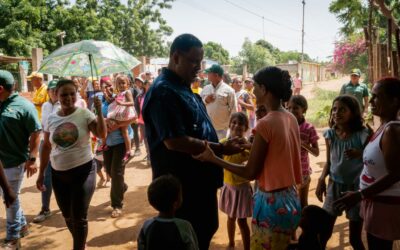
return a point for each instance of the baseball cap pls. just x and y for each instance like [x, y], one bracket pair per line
[215, 68]
[6, 78]
[52, 84]
[356, 72]
[248, 79]
[35, 74]
[139, 79]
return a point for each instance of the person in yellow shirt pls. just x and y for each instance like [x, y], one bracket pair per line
[196, 86]
[40, 95]
[236, 194]
[249, 87]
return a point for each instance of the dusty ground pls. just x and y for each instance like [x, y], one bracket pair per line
[121, 233]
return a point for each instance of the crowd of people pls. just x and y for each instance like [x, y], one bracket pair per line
[204, 132]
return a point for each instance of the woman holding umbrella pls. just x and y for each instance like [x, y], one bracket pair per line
[66, 142]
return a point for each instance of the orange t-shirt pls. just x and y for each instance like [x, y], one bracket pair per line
[282, 164]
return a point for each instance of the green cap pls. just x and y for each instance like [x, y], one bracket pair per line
[356, 72]
[52, 84]
[6, 78]
[215, 68]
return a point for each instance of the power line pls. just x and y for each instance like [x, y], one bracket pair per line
[262, 17]
[218, 15]
[221, 17]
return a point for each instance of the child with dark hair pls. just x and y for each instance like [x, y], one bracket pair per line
[313, 223]
[236, 194]
[165, 231]
[345, 142]
[297, 105]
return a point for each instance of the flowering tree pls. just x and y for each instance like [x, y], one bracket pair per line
[349, 54]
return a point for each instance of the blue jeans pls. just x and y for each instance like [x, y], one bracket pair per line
[15, 216]
[46, 195]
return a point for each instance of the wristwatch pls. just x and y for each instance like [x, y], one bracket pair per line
[32, 159]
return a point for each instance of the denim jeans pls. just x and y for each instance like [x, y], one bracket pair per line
[135, 139]
[73, 190]
[15, 216]
[113, 163]
[46, 195]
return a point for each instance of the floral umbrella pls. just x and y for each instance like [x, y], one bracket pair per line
[88, 58]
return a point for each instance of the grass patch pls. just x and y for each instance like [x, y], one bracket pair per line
[319, 106]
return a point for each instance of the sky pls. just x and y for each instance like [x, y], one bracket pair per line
[229, 22]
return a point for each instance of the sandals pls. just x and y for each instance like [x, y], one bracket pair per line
[117, 212]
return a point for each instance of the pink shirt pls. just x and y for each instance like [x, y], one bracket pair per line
[297, 82]
[308, 135]
[282, 165]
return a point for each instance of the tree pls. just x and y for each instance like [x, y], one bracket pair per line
[216, 52]
[352, 13]
[283, 56]
[137, 26]
[350, 53]
[254, 56]
[292, 55]
[271, 48]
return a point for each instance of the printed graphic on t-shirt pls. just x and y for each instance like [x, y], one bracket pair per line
[65, 135]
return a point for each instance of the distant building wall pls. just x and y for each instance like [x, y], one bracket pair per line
[312, 72]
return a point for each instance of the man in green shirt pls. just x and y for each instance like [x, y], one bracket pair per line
[20, 136]
[357, 89]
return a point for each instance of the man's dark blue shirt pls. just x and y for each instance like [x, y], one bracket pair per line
[171, 110]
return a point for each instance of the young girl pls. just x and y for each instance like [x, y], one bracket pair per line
[345, 141]
[236, 194]
[309, 143]
[121, 109]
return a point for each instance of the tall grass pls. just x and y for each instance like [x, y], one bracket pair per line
[319, 106]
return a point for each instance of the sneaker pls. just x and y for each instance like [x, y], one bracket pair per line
[42, 216]
[137, 152]
[25, 230]
[117, 212]
[11, 244]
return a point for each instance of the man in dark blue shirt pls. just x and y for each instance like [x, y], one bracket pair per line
[177, 125]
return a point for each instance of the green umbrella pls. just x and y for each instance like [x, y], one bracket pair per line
[88, 58]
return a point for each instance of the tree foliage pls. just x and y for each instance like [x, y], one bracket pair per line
[216, 52]
[283, 56]
[254, 56]
[352, 13]
[136, 26]
[350, 53]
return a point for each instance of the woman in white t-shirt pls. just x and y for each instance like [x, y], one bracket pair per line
[67, 144]
[380, 179]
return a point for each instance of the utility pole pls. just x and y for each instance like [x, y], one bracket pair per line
[302, 42]
[263, 19]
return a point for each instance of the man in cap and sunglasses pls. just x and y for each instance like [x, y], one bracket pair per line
[357, 89]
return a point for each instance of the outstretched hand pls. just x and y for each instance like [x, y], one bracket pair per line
[206, 155]
[234, 145]
[347, 201]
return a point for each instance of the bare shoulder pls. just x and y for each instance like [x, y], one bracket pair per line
[392, 131]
